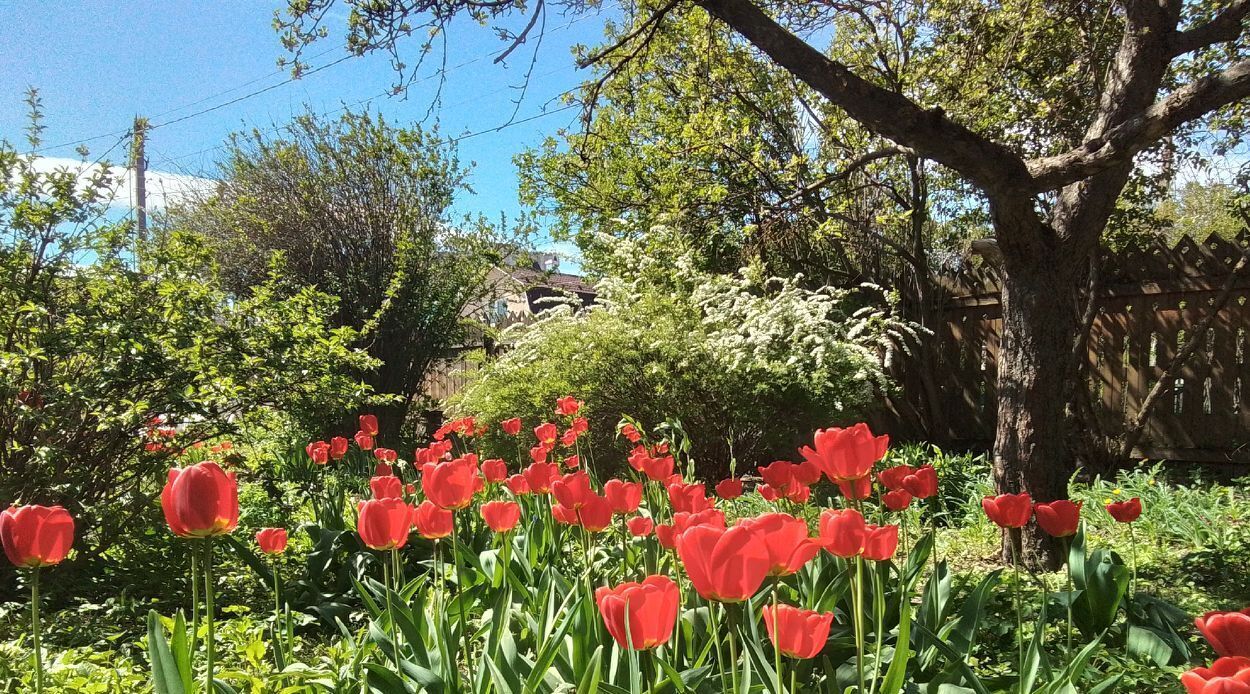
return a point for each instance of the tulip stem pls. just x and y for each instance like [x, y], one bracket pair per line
[277, 615]
[195, 596]
[878, 602]
[464, 634]
[1132, 543]
[776, 637]
[209, 686]
[857, 594]
[387, 578]
[35, 629]
[1012, 536]
[733, 650]
[716, 636]
[1067, 553]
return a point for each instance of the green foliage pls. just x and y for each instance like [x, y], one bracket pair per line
[743, 363]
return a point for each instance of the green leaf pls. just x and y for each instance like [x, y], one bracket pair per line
[166, 678]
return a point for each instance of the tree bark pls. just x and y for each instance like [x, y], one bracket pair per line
[1031, 452]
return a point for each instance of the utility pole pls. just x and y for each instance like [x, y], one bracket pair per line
[139, 164]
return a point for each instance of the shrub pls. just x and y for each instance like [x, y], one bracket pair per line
[742, 362]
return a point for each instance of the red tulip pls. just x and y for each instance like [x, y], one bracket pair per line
[842, 532]
[640, 615]
[846, 454]
[856, 490]
[36, 536]
[432, 522]
[384, 523]
[729, 489]
[201, 500]
[319, 451]
[778, 474]
[494, 470]
[896, 500]
[385, 455]
[768, 492]
[450, 484]
[1009, 510]
[688, 498]
[572, 490]
[880, 542]
[797, 633]
[547, 433]
[1058, 518]
[573, 462]
[383, 470]
[640, 526]
[923, 483]
[724, 565]
[1227, 632]
[568, 406]
[271, 540]
[580, 425]
[595, 515]
[511, 427]
[630, 432]
[338, 447]
[501, 516]
[1125, 511]
[658, 469]
[540, 476]
[892, 478]
[564, 514]
[369, 424]
[625, 497]
[363, 441]
[1225, 676]
[386, 487]
[518, 485]
[786, 539]
[568, 438]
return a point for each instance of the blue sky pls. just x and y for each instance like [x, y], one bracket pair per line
[97, 65]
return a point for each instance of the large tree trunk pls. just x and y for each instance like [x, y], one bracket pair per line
[1031, 451]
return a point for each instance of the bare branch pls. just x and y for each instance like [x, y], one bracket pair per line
[521, 37]
[1125, 140]
[624, 40]
[1225, 26]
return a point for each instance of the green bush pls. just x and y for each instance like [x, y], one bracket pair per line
[743, 362]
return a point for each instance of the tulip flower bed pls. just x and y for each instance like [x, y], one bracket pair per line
[554, 571]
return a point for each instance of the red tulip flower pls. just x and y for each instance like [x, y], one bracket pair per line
[572, 490]
[1225, 676]
[797, 633]
[1058, 518]
[451, 484]
[338, 447]
[1227, 632]
[724, 565]
[880, 542]
[842, 532]
[624, 497]
[547, 433]
[595, 514]
[896, 500]
[385, 455]
[369, 424]
[568, 406]
[729, 489]
[630, 432]
[1125, 511]
[36, 536]
[786, 539]
[384, 523]
[580, 424]
[540, 476]
[538, 454]
[568, 438]
[201, 500]
[923, 483]
[573, 462]
[892, 478]
[688, 498]
[1009, 510]
[658, 469]
[363, 441]
[640, 526]
[495, 470]
[511, 427]
[383, 470]
[518, 485]
[501, 516]
[386, 487]
[319, 451]
[640, 615]
[271, 540]
[432, 522]
[846, 454]
[856, 490]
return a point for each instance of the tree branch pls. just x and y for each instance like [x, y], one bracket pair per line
[1125, 140]
[1225, 26]
[990, 165]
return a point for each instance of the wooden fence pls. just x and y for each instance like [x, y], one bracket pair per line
[1148, 306]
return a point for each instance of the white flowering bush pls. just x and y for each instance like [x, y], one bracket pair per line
[741, 361]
